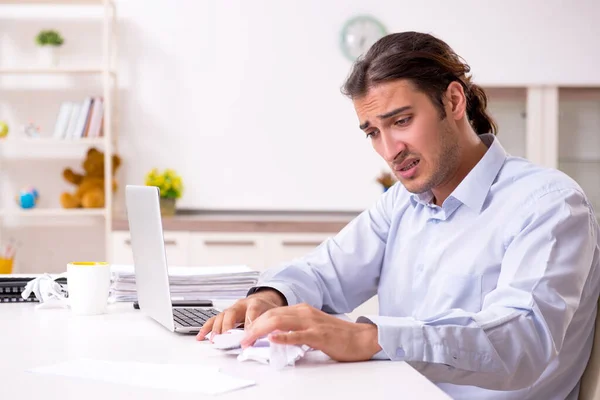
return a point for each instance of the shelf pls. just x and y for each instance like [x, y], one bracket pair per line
[53, 212]
[20, 148]
[45, 141]
[54, 2]
[53, 71]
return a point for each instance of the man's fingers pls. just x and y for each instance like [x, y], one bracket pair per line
[229, 319]
[268, 323]
[308, 337]
[206, 328]
[254, 311]
[218, 324]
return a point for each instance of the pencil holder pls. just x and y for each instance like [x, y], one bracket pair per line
[6, 265]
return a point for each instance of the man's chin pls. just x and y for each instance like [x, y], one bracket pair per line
[415, 187]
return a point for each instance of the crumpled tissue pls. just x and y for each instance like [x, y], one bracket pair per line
[263, 351]
[49, 293]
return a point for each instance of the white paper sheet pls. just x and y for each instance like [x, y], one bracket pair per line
[176, 377]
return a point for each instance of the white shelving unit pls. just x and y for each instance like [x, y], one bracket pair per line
[39, 150]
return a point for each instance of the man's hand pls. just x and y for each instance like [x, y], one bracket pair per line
[301, 324]
[246, 310]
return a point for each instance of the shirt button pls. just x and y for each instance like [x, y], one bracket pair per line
[400, 352]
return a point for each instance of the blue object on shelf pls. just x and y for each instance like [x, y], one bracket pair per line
[27, 198]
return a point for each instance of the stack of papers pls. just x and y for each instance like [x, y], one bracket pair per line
[190, 283]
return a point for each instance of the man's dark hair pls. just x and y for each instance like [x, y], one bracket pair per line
[426, 61]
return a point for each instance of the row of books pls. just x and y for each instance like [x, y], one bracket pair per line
[80, 119]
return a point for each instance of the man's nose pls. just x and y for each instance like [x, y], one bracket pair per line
[391, 148]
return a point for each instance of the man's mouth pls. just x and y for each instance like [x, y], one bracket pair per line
[411, 165]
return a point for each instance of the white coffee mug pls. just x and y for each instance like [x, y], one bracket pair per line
[88, 284]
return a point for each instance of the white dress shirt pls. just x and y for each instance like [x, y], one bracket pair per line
[493, 295]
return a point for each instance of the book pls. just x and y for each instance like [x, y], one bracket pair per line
[62, 121]
[96, 118]
[84, 116]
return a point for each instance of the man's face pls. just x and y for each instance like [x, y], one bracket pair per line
[406, 130]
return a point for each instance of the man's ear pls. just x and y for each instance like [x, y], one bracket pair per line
[456, 100]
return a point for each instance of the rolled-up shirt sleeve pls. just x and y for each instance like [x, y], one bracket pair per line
[523, 321]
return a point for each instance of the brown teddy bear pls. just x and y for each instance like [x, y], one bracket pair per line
[90, 184]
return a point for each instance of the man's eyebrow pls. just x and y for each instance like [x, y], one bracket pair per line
[394, 112]
[388, 114]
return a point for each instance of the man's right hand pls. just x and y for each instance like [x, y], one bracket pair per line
[243, 311]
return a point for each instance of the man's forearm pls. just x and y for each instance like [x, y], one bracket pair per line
[272, 295]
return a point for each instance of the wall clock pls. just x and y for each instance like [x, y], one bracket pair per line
[359, 33]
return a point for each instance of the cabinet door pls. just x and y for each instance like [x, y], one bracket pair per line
[508, 107]
[284, 247]
[176, 245]
[578, 139]
[213, 249]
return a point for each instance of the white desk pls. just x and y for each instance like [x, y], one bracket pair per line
[32, 338]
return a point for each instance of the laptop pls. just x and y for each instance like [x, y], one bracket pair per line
[150, 264]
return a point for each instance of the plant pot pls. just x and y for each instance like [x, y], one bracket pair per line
[167, 207]
[49, 55]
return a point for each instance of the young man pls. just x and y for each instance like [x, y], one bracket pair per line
[486, 265]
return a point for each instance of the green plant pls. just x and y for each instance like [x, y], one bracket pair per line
[169, 183]
[49, 38]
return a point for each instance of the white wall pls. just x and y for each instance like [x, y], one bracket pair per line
[243, 96]
[250, 95]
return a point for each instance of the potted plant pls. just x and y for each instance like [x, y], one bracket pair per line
[170, 186]
[386, 180]
[49, 42]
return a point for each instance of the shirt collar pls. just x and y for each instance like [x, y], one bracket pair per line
[473, 189]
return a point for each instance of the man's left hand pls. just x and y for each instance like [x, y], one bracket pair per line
[305, 325]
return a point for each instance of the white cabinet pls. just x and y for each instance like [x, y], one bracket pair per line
[256, 250]
[228, 249]
[176, 246]
[579, 139]
[554, 127]
[284, 247]
[508, 108]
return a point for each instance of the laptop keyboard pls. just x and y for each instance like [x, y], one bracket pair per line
[195, 317]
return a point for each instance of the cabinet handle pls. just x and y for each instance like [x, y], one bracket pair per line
[168, 242]
[229, 243]
[300, 243]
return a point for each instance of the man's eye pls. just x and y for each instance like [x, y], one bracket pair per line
[403, 121]
[371, 134]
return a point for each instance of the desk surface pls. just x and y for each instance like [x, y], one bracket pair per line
[32, 338]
